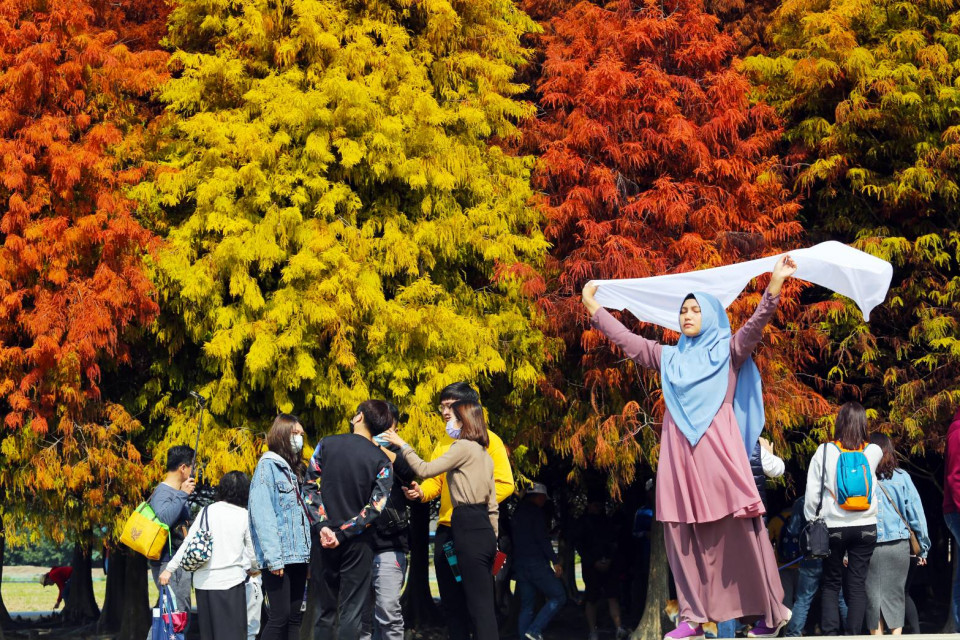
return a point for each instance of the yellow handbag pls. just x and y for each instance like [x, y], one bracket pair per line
[145, 533]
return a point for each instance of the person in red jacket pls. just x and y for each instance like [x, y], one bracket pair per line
[951, 500]
[59, 576]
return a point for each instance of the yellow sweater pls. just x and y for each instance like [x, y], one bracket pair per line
[502, 476]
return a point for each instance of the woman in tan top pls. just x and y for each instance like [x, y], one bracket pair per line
[473, 524]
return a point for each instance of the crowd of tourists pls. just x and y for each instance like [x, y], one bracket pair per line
[341, 520]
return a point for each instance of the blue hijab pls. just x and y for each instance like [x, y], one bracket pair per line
[695, 376]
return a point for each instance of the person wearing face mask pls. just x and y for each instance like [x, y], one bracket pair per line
[280, 527]
[716, 540]
[348, 482]
[475, 519]
[452, 596]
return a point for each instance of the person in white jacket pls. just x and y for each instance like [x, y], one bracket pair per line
[853, 527]
[220, 582]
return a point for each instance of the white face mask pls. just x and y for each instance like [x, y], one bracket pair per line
[297, 443]
[452, 429]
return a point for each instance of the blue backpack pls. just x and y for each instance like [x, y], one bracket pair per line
[854, 479]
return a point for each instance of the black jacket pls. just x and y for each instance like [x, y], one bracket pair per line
[756, 466]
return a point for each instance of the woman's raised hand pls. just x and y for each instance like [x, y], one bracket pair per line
[785, 268]
[589, 291]
[392, 437]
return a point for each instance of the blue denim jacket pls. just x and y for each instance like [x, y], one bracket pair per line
[278, 523]
[890, 526]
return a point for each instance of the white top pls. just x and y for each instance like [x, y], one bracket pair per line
[773, 465]
[838, 267]
[835, 516]
[232, 548]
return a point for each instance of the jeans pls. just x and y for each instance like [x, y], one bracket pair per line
[727, 629]
[953, 524]
[808, 583]
[532, 578]
[382, 617]
[857, 544]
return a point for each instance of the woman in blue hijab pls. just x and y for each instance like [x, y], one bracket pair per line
[717, 544]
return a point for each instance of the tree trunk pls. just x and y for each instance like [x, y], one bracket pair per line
[111, 616]
[5, 620]
[419, 611]
[654, 619]
[565, 548]
[135, 609]
[81, 606]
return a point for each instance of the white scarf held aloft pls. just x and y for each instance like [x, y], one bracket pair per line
[838, 267]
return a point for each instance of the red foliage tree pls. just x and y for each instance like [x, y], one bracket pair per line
[746, 22]
[75, 80]
[652, 161]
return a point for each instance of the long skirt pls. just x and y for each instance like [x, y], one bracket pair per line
[725, 569]
[223, 613]
[886, 584]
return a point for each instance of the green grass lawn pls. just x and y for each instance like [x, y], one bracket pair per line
[23, 595]
[32, 596]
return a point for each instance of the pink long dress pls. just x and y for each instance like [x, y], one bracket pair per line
[717, 543]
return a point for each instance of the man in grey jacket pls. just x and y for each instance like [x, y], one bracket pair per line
[169, 502]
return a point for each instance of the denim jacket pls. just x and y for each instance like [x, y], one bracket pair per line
[890, 526]
[278, 523]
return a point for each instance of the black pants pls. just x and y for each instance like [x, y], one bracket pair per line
[476, 546]
[344, 587]
[222, 613]
[285, 595]
[453, 602]
[857, 543]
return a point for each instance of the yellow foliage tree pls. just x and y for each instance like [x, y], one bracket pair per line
[338, 223]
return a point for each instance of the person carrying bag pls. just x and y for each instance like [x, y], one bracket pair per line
[901, 533]
[217, 551]
[847, 466]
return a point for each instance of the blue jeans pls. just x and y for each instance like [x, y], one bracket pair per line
[532, 578]
[953, 524]
[808, 583]
[727, 629]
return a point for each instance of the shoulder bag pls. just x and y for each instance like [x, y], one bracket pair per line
[815, 537]
[199, 547]
[145, 533]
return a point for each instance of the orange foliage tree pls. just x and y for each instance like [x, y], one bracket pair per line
[652, 161]
[75, 78]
